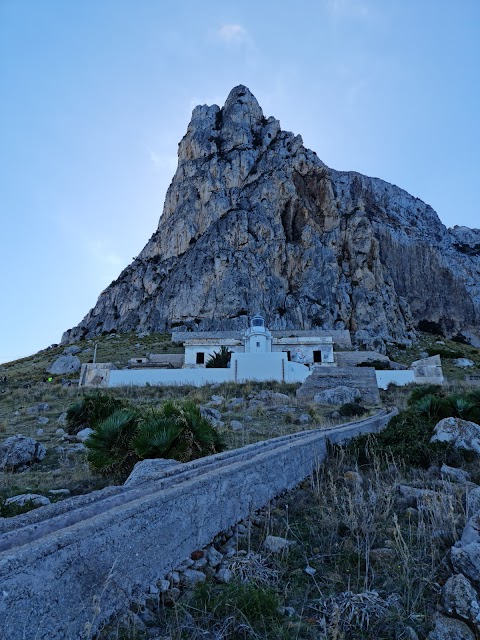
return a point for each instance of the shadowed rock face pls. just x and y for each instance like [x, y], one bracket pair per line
[254, 221]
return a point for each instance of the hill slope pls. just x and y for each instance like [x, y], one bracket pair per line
[254, 221]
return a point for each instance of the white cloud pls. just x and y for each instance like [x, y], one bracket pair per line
[233, 34]
[350, 9]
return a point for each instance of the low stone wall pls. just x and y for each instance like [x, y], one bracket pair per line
[68, 567]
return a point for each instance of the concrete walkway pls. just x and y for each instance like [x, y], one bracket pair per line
[68, 567]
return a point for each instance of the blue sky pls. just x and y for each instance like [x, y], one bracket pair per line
[95, 96]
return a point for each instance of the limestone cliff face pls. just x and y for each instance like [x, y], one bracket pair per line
[254, 221]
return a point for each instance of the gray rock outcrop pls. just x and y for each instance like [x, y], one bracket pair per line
[337, 395]
[65, 364]
[254, 221]
[18, 452]
[450, 629]
[462, 434]
[359, 382]
[460, 599]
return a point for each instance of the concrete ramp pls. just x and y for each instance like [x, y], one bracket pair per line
[67, 568]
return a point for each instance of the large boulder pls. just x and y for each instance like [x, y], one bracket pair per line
[462, 434]
[64, 364]
[460, 599]
[337, 395]
[450, 629]
[465, 559]
[463, 362]
[18, 452]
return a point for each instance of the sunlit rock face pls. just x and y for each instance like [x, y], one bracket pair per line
[255, 222]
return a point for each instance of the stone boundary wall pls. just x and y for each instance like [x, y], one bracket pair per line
[67, 568]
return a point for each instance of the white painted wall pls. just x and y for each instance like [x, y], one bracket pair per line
[258, 343]
[307, 351]
[259, 366]
[197, 377]
[400, 378]
[296, 372]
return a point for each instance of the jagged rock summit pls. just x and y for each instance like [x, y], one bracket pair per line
[254, 221]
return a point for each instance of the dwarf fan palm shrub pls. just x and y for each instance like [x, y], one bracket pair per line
[92, 408]
[109, 446]
[177, 431]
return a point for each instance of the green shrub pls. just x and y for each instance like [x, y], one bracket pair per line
[220, 359]
[129, 435]
[350, 409]
[424, 390]
[243, 603]
[445, 353]
[92, 408]
[11, 510]
[407, 436]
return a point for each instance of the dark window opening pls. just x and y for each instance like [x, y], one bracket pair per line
[200, 357]
[258, 344]
[289, 356]
[317, 356]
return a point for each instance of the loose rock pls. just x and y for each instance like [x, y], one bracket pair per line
[191, 577]
[460, 599]
[337, 395]
[276, 544]
[84, 434]
[462, 434]
[26, 498]
[450, 629]
[457, 475]
[19, 452]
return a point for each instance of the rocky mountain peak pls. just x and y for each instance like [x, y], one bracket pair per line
[242, 106]
[254, 221]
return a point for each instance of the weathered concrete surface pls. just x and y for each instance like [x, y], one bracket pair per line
[68, 567]
[361, 378]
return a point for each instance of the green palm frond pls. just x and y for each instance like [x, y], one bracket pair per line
[175, 430]
[220, 359]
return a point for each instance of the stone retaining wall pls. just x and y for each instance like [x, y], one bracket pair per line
[68, 567]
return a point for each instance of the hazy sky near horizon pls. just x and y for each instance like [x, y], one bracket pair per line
[96, 95]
